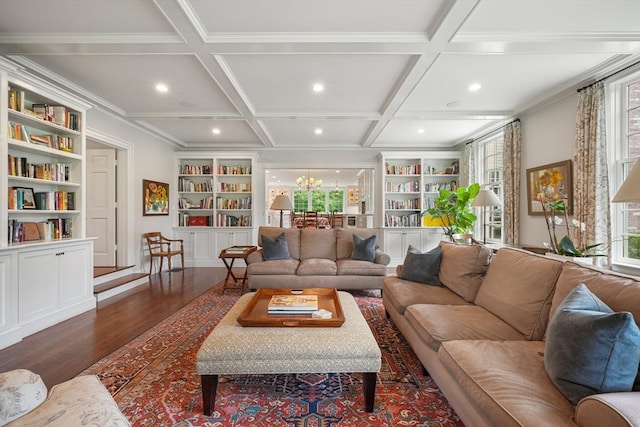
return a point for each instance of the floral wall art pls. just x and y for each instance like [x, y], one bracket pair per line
[549, 184]
[155, 198]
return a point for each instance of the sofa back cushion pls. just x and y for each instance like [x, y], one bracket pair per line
[317, 243]
[292, 235]
[518, 288]
[463, 267]
[344, 240]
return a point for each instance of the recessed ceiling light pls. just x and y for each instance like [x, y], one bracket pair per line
[318, 131]
[473, 87]
[162, 88]
[318, 87]
[420, 130]
[215, 131]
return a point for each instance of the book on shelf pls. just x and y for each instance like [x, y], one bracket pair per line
[293, 304]
[198, 220]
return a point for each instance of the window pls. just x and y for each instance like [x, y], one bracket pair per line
[624, 149]
[490, 176]
[321, 200]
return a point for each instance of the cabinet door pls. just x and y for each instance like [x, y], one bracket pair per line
[396, 243]
[224, 239]
[187, 237]
[37, 284]
[8, 296]
[75, 273]
[202, 245]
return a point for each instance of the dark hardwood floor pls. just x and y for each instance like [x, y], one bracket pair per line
[64, 350]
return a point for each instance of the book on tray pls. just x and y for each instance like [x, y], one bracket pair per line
[290, 304]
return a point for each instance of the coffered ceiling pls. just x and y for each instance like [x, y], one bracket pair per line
[396, 73]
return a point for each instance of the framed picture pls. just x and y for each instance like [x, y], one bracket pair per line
[549, 182]
[28, 198]
[155, 198]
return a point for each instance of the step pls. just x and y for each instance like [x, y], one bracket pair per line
[111, 284]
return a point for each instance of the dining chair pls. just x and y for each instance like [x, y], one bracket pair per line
[163, 247]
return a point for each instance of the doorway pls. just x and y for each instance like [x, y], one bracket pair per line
[108, 201]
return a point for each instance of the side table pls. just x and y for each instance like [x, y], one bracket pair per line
[233, 253]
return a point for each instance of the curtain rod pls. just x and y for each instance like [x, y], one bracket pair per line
[610, 75]
[489, 133]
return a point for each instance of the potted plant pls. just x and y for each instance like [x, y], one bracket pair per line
[453, 208]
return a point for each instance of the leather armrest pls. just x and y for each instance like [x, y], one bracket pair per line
[609, 409]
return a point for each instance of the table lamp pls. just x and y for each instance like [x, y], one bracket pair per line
[485, 198]
[281, 203]
[630, 189]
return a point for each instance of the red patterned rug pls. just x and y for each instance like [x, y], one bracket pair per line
[153, 379]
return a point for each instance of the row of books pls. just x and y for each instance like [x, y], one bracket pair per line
[194, 187]
[437, 186]
[224, 220]
[196, 169]
[234, 187]
[411, 220]
[52, 229]
[206, 203]
[187, 220]
[20, 166]
[407, 187]
[402, 170]
[58, 114]
[20, 198]
[402, 204]
[233, 170]
[243, 203]
[23, 133]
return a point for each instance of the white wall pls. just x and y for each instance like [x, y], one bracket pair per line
[548, 135]
[152, 159]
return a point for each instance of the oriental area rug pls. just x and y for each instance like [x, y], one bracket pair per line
[154, 382]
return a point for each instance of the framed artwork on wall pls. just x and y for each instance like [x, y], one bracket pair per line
[155, 198]
[549, 183]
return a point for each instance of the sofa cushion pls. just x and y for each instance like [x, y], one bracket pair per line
[81, 401]
[436, 324]
[364, 249]
[283, 266]
[421, 267]
[20, 392]
[317, 243]
[463, 267]
[344, 240]
[351, 267]
[275, 249]
[317, 267]
[506, 380]
[293, 238]
[518, 288]
[589, 348]
[402, 293]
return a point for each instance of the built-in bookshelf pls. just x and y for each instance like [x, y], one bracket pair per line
[215, 192]
[46, 260]
[411, 181]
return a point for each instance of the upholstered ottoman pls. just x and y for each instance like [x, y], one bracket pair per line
[234, 349]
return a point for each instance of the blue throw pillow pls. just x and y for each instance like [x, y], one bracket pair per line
[589, 348]
[364, 249]
[275, 249]
[422, 267]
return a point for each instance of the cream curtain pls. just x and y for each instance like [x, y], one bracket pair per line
[511, 202]
[591, 188]
[468, 166]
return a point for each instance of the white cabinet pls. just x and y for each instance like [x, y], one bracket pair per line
[396, 243]
[198, 246]
[54, 283]
[9, 333]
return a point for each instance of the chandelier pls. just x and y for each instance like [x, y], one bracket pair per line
[308, 183]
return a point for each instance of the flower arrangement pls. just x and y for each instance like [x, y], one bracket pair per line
[554, 203]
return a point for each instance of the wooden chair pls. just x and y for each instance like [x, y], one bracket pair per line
[163, 247]
[336, 220]
[311, 219]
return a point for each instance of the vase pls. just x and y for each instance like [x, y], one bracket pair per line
[579, 260]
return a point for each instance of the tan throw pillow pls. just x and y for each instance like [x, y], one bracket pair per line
[518, 288]
[463, 267]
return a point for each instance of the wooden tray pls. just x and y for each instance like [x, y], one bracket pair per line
[255, 314]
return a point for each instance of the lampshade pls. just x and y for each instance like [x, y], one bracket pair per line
[281, 203]
[630, 189]
[486, 198]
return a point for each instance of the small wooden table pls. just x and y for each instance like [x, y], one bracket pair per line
[232, 253]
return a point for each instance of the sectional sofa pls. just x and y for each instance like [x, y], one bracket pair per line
[482, 334]
[316, 258]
